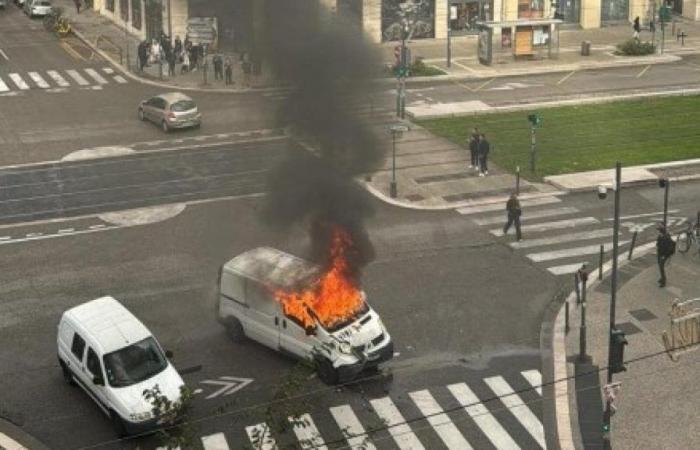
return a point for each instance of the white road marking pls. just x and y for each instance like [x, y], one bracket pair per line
[399, 430]
[562, 238]
[307, 433]
[7, 443]
[565, 269]
[260, 437]
[440, 422]
[215, 441]
[515, 405]
[96, 227]
[556, 225]
[77, 77]
[39, 80]
[66, 230]
[570, 252]
[19, 82]
[3, 86]
[4, 55]
[96, 76]
[4, 238]
[32, 235]
[483, 418]
[119, 79]
[352, 428]
[57, 78]
[641, 74]
[108, 70]
[566, 77]
[534, 377]
[502, 206]
[40, 236]
[635, 216]
[529, 216]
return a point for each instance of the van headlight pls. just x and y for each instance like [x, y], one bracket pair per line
[140, 417]
[344, 347]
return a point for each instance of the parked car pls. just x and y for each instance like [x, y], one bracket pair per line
[113, 357]
[37, 8]
[248, 309]
[171, 110]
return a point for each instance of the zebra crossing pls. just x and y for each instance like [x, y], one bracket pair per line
[54, 79]
[501, 416]
[561, 238]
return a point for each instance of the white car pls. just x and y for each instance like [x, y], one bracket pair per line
[34, 8]
[247, 308]
[113, 357]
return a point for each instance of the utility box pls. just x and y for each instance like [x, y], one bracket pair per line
[586, 48]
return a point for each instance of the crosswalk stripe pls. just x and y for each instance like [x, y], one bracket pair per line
[57, 78]
[307, 433]
[534, 377]
[119, 79]
[440, 422]
[537, 201]
[3, 86]
[529, 216]
[260, 437]
[8, 443]
[77, 77]
[483, 418]
[19, 82]
[570, 252]
[562, 238]
[565, 269]
[215, 441]
[38, 80]
[546, 226]
[108, 70]
[352, 428]
[638, 216]
[515, 405]
[403, 436]
[96, 76]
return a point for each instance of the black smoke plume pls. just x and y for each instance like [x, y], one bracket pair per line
[329, 67]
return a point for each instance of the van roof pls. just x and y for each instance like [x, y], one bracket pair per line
[273, 268]
[109, 323]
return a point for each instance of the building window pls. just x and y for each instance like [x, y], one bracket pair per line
[614, 10]
[533, 9]
[465, 13]
[109, 4]
[136, 14]
[423, 20]
[124, 10]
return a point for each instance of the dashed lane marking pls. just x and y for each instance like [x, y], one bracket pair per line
[482, 85]
[5, 238]
[38, 80]
[641, 74]
[19, 82]
[4, 55]
[71, 51]
[108, 70]
[97, 227]
[66, 230]
[566, 77]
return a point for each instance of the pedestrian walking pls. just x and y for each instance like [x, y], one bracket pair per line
[185, 63]
[637, 28]
[194, 57]
[665, 248]
[77, 5]
[177, 48]
[245, 67]
[582, 277]
[474, 149]
[484, 149]
[514, 212]
[652, 26]
[142, 54]
[218, 62]
[171, 64]
[228, 68]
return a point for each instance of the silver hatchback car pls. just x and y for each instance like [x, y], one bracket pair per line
[171, 110]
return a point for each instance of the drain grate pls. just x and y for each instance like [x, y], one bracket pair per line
[642, 314]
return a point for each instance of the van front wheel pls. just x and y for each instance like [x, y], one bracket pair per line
[325, 371]
[234, 328]
[67, 374]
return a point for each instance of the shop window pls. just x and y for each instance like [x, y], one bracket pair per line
[124, 10]
[136, 14]
[530, 9]
[423, 19]
[540, 36]
[109, 4]
[506, 37]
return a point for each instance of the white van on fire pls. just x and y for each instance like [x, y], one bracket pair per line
[247, 307]
[113, 357]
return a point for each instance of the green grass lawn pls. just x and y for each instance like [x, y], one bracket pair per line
[587, 137]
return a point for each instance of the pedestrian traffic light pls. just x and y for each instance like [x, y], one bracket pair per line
[617, 350]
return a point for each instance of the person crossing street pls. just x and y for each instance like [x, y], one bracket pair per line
[665, 248]
[484, 149]
[474, 149]
[514, 212]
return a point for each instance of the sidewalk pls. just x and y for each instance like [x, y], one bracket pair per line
[658, 398]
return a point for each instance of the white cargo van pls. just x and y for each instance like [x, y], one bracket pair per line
[113, 357]
[247, 308]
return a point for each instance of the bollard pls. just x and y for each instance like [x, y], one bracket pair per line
[576, 288]
[600, 263]
[582, 357]
[566, 317]
[634, 239]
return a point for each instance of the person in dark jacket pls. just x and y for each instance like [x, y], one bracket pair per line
[218, 67]
[171, 64]
[474, 149]
[514, 212]
[484, 149]
[665, 247]
[177, 48]
[637, 28]
[228, 68]
[143, 54]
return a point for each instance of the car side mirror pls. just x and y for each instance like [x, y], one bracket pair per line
[168, 354]
[98, 381]
[310, 330]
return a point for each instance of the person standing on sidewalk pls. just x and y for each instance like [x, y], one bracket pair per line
[484, 149]
[514, 212]
[636, 27]
[177, 48]
[228, 68]
[218, 67]
[143, 55]
[665, 248]
[185, 63]
[171, 64]
[77, 5]
[474, 149]
[245, 67]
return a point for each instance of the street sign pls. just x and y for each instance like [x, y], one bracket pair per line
[535, 119]
[664, 14]
[230, 385]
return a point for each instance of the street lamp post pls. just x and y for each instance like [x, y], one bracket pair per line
[449, 38]
[666, 185]
[396, 130]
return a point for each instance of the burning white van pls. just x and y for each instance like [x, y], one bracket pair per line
[293, 306]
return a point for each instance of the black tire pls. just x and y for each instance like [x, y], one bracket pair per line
[234, 329]
[142, 117]
[164, 126]
[326, 372]
[67, 374]
[683, 242]
[117, 424]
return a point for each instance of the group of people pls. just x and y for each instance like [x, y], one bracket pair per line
[479, 149]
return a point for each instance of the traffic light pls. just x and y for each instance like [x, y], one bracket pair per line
[617, 351]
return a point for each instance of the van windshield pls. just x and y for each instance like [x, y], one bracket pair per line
[339, 325]
[135, 363]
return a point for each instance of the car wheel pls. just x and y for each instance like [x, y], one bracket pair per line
[164, 126]
[67, 374]
[326, 372]
[234, 329]
[117, 424]
[142, 117]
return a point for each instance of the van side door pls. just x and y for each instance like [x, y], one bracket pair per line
[294, 340]
[76, 359]
[96, 379]
[263, 315]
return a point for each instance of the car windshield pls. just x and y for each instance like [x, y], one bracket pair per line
[183, 105]
[135, 363]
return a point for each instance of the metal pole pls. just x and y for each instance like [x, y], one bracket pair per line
[634, 240]
[600, 262]
[449, 39]
[566, 316]
[126, 42]
[582, 335]
[517, 180]
[666, 188]
[532, 148]
[613, 294]
[576, 288]
[392, 186]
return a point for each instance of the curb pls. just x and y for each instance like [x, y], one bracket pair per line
[13, 437]
[562, 400]
[639, 182]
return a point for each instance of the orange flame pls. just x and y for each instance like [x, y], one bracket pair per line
[333, 298]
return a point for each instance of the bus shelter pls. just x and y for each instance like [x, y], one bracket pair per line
[500, 42]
